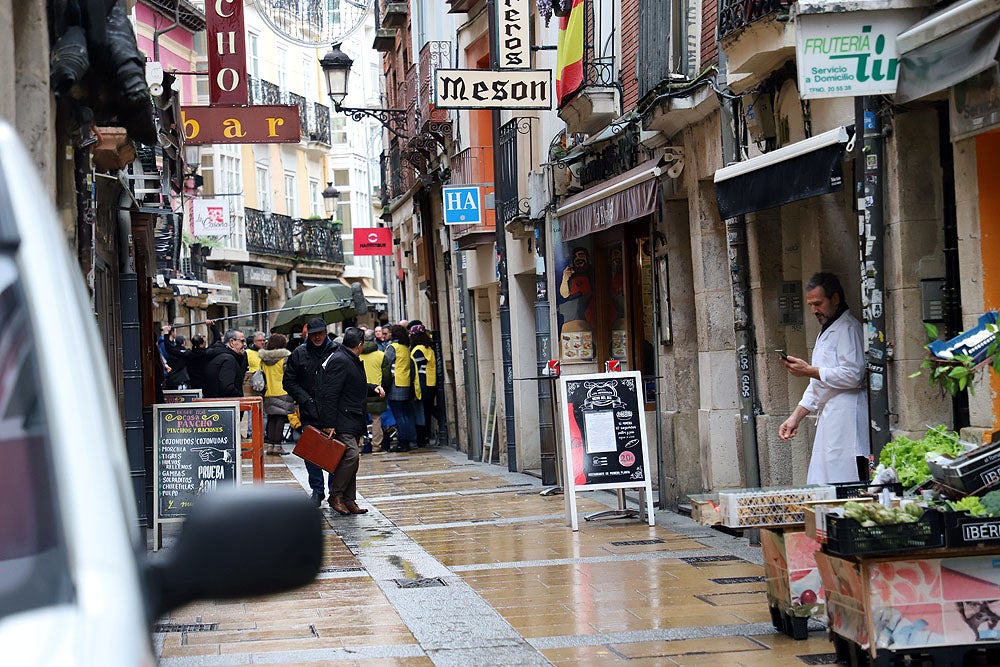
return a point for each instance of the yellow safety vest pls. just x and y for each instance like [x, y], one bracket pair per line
[401, 369]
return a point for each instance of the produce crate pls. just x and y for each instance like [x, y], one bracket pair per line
[974, 471]
[961, 529]
[857, 489]
[768, 507]
[847, 537]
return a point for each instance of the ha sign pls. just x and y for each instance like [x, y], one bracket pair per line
[463, 205]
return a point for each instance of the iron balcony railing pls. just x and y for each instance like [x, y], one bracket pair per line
[433, 54]
[474, 166]
[734, 15]
[300, 102]
[283, 236]
[319, 130]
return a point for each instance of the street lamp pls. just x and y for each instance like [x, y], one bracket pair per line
[337, 69]
[331, 196]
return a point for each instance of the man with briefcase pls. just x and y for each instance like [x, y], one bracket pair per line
[342, 404]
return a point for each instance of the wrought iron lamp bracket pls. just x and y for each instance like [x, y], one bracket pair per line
[391, 119]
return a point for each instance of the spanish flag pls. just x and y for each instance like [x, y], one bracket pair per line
[569, 52]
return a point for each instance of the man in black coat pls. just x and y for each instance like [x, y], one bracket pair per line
[300, 381]
[342, 400]
[227, 364]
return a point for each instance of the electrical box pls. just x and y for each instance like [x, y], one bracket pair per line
[790, 304]
[760, 118]
[932, 299]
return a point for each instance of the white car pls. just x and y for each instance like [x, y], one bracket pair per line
[77, 586]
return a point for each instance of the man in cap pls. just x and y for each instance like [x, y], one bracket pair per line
[303, 370]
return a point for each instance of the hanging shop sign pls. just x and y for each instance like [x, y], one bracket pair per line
[372, 241]
[270, 124]
[227, 53]
[257, 276]
[975, 104]
[604, 436]
[463, 205]
[514, 27]
[210, 217]
[847, 54]
[492, 89]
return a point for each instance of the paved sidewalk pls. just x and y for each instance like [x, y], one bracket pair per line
[461, 564]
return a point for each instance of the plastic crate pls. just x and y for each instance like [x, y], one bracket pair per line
[972, 472]
[847, 537]
[857, 489]
[961, 529]
[769, 506]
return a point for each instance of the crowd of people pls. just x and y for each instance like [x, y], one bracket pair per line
[374, 389]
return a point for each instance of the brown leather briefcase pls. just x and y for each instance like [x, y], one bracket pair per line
[317, 447]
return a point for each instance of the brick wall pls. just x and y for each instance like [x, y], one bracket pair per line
[709, 44]
[630, 52]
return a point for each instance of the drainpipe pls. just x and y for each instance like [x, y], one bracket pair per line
[739, 265]
[466, 320]
[543, 350]
[870, 158]
[128, 287]
[504, 292]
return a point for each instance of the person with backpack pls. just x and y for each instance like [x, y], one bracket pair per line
[278, 403]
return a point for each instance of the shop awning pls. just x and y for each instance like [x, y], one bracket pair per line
[807, 168]
[614, 202]
[947, 48]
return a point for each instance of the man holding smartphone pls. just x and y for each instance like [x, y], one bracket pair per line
[836, 391]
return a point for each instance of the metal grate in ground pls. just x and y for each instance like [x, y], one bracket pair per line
[426, 582]
[185, 627]
[635, 543]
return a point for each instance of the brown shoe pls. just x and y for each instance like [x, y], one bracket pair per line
[354, 509]
[338, 506]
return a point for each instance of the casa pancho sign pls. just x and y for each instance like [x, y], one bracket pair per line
[492, 89]
[849, 54]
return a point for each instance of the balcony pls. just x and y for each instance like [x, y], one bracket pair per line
[264, 92]
[474, 166]
[757, 38]
[300, 102]
[432, 120]
[281, 236]
[597, 102]
[461, 6]
[398, 176]
[385, 39]
[319, 126]
[395, 15]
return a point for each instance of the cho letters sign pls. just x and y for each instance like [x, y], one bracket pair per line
[227, 57]
[847, 54]
[463, 205]
[211, 217]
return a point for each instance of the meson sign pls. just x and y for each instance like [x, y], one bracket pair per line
[492, 89]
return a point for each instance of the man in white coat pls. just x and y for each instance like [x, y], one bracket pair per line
[836, 391]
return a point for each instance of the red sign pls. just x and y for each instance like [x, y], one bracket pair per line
[227, 52]
[372, 241]
[552, 368]
[613, 366]
[273, 124]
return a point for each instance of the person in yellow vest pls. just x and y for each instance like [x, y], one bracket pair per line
[258, 343]
[377, 372]
[424, 382]
[401, 395]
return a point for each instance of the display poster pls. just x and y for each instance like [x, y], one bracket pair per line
[604, 435]
[576, 306]
[180, 395]
[197, 449]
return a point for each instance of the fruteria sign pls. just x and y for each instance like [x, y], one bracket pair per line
[372, 241]
[492, 89]
[849, 54]
[463, 205]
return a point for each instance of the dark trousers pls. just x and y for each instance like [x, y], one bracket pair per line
[344, 481]
[426, 406]
[275, 429]
[406, 429]
[316, 479]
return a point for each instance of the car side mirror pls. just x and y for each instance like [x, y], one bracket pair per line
[237, 543]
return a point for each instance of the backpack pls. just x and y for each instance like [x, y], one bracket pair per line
[258, 382]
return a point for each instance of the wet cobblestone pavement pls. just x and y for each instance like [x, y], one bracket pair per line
[460, 563]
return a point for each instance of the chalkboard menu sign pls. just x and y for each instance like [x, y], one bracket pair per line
[180, 395]
[604, 434]
[197, 449]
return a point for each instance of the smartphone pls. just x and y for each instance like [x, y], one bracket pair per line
[781, 353]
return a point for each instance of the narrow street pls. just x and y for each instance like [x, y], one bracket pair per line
[460, 563]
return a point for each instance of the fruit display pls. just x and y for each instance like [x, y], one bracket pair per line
[769, 507]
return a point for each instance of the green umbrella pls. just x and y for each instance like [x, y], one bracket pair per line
[332, 302]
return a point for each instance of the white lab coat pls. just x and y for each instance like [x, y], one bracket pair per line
[840, 401]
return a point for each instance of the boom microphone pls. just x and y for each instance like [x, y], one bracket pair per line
[358, 297]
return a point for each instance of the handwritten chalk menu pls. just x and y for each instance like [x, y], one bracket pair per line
[604, 435]
[197, 449]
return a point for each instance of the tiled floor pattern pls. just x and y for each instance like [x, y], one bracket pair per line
[615, 592]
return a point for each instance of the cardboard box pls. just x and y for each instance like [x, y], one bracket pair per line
[794, 584]
[705, 509]
[913, 603]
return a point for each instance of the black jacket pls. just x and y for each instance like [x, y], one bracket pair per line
[177, 359]
[343, 394]
[197, 359]
[224, 373]
[299, 380]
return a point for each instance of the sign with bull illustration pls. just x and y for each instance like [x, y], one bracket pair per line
[604, 435]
